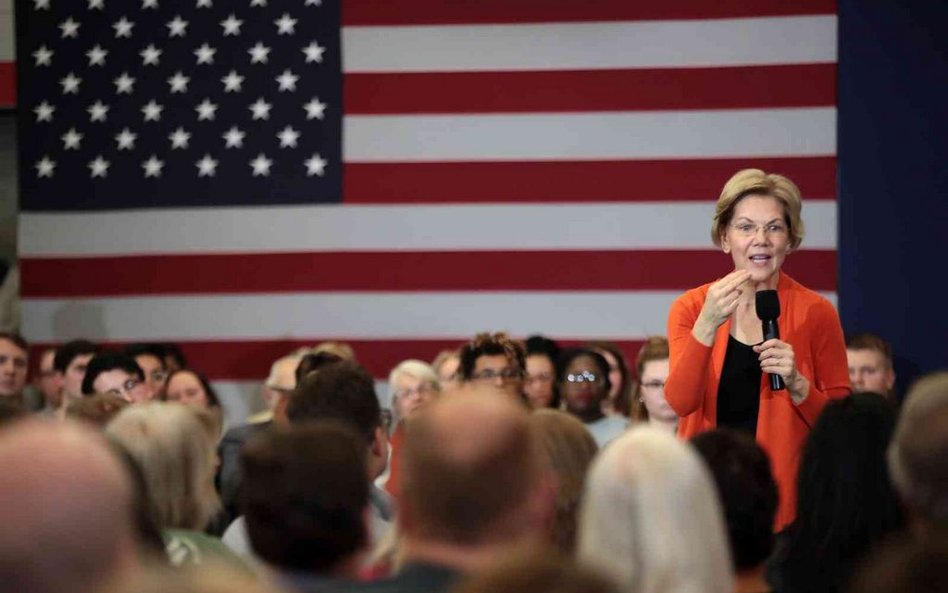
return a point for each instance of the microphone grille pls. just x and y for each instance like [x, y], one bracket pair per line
[768, 305]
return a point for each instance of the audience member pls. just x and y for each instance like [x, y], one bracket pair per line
[539, 385]
[473, 486]
[619, 400]
[14, 357]
[98, 409]
[116, 374]
[748, 493]
[446, 365]
[189, 387]
[651, 518]
[583, 376]
[570, 450]
[719, 361]
[66, 510]
[175, 450]
[305, 499]
[151, 359]
[918, 452]
[845, 501]
[412, 384]
[48, 383]
[915, 564]
[651, 367]
[311, 362]
[870, 364]
[536, 570]
[494, 360]
[70, 364]
[278, 385]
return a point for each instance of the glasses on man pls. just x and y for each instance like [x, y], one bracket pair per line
[750, 229]
[158, 376]
[125, 389]
[653, 385]
[420, 391]
[507, 374]
[583, 377]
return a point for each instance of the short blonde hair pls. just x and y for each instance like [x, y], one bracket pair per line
[754, 182]
[176, 454]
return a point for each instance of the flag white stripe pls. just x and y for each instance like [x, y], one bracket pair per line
[568, 136]
[498, 227]
[382, 315]
[7, 44]
[599, 45]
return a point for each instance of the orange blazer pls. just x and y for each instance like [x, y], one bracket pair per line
[810, 324]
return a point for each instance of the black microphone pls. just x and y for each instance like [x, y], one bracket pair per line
[768, 310]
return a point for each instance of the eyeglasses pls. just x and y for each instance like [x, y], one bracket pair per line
[421, 390]
[507, 374]
[750, 229]
[539, 378]
[126, 388]
[158, 376]
[654, 385]
[583, 377]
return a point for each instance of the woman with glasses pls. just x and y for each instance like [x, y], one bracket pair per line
[719, 362]
[584, 383]
[651, 366]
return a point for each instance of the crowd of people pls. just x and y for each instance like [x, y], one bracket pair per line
[721, 459]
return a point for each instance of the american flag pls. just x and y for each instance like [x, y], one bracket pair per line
[245, 177]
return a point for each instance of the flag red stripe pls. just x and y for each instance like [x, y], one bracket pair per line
[569, 181]
[251, 360]
[664, 89]
[430, 12]
[7, 84]
[394, 271]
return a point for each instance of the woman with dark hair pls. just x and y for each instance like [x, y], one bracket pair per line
[619, 400]
[191, 387]
[539, 384]
[845, 501]
[583, 377]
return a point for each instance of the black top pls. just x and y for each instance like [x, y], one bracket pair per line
[739, 390]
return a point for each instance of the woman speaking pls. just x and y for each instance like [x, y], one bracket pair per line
[719, 363]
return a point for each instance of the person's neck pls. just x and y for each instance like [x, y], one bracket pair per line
[669, 425]
[752, 581]
[590, 416]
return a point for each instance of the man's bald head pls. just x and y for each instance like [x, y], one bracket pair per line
[472, 471]
[65, 509]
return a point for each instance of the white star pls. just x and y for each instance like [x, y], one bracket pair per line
[313, 3]
[126, 139]
[315, 165]
[234, 138]
[40, 4]
[314, 52]
[69, 27]
[96, 4]
[261, 165]
[314, 109]
[285, 25]
[206, 166]
[153, 167]
[43, 56]
[176, 26]
[179, 82]
[261, 109]
[45, 166]
[150, 55]
[287, 81]
[99, 167]
[44, 111]
[149, 4]
[152, 111]
[98, 111]
[179, 138]
[97, 55]
[205, 54]
[288, 137]
[71, 139]
[204, 3]
[70, 84]
[232, 82]
[258, 2]
[258, 53]
[205, 110]
[123, 84]
[231, 25]
[123, 27]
